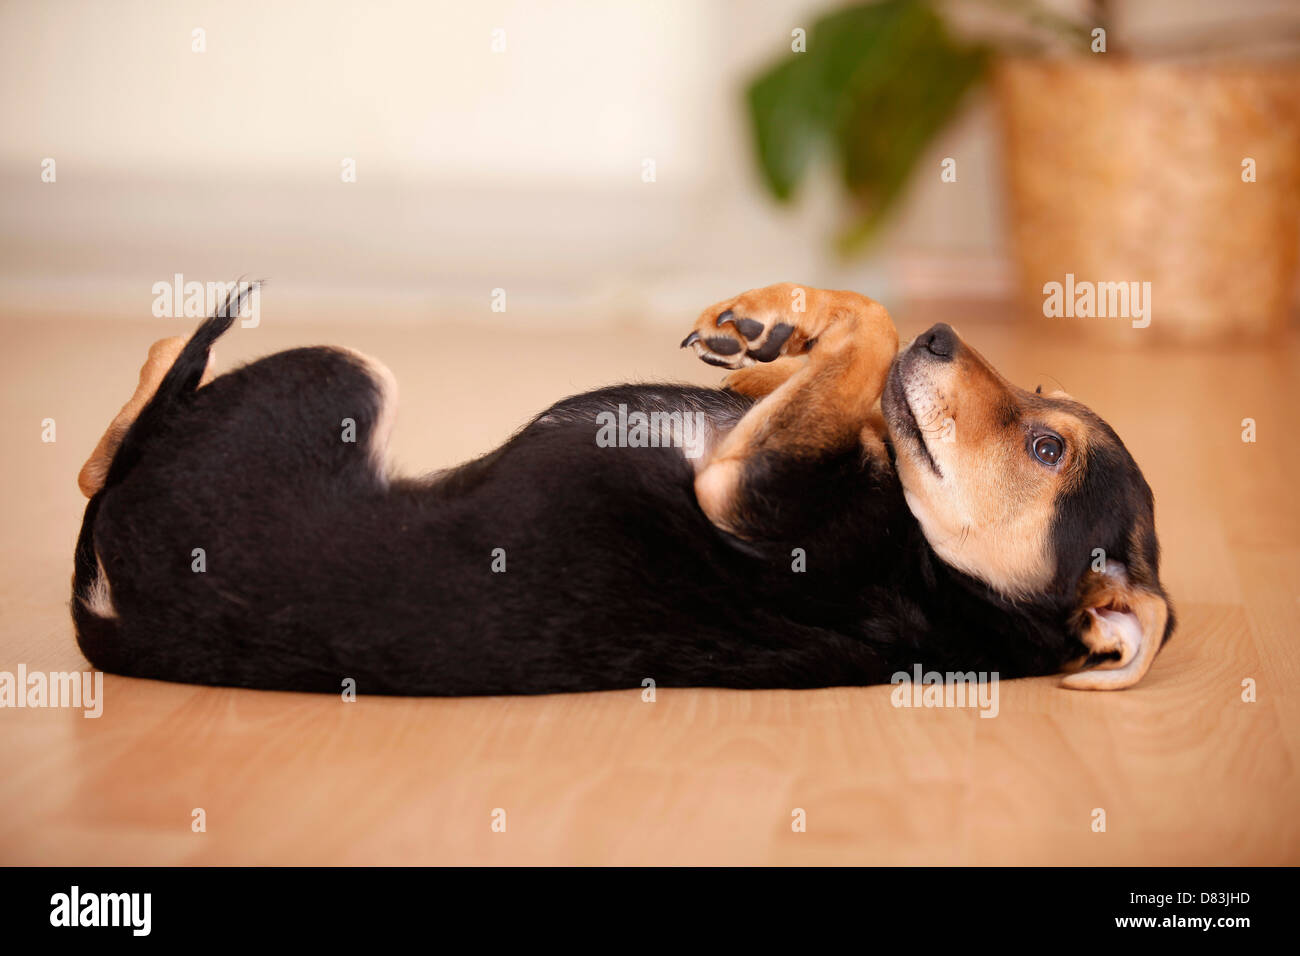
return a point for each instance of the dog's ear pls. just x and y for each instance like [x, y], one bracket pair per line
[1117, 615]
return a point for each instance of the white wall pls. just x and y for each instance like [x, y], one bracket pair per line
[475, 169]
[410, 89]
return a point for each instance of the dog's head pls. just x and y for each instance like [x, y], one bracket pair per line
[1032, 494]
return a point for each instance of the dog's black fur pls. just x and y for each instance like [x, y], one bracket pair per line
[318, 569]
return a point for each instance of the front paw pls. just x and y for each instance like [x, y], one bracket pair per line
[757, 326]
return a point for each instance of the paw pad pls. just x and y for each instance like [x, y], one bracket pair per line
[749, 328]
[728, 338]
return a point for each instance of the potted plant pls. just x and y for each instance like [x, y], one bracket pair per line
[1179, 174]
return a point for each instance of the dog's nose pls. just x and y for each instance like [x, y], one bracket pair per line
[939, 340]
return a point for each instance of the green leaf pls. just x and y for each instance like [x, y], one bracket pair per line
[876, 85]
[786, 132]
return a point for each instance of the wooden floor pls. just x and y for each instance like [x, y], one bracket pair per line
[1186, 771]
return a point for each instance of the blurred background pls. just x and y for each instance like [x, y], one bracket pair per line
[600, 161]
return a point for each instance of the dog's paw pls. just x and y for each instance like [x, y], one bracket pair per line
[756, 326]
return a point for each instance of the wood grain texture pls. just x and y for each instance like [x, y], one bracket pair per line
[1186, 771]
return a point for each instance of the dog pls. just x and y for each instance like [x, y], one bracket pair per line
[853, 510]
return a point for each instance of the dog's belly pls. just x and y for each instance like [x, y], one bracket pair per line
[565, 560]
[690, 420]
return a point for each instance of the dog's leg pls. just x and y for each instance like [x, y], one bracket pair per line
[760, 381]
[162, 354]
[824, 407]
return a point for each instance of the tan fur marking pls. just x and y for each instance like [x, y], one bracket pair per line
[990, 510]
[760, 381]
[387, 384]
[823, 404]
[162, 355]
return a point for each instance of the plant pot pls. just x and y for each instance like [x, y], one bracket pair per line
[1129, 172]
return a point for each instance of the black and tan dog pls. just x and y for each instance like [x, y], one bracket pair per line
[856, 511]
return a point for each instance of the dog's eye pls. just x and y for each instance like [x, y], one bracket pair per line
[1048, 449]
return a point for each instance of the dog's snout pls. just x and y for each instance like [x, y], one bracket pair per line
[939, 340]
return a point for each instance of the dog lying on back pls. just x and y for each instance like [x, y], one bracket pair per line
[852, 511]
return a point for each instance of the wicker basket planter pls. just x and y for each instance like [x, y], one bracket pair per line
[1129, 172]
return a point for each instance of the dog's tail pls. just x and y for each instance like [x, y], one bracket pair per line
[92, 612]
